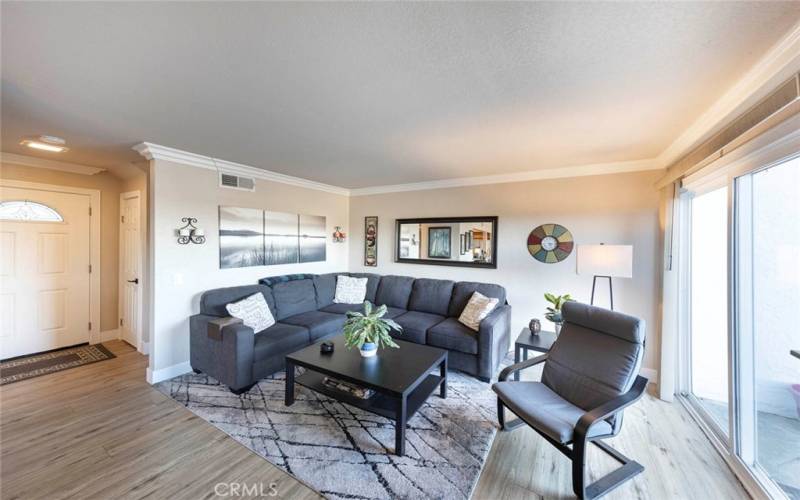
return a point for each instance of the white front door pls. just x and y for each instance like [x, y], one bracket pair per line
[44, 270]
[130, 269]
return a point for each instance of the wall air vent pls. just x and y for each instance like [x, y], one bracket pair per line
[235, 182]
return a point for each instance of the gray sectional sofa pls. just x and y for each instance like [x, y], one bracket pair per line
[427, 309]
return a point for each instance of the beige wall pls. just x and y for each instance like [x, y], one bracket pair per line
[621, 208]
[181, 273]
[109, 187]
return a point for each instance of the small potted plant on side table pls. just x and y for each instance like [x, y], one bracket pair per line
[370, 330]
[554, 313]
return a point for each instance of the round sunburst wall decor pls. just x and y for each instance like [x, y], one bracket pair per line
[550, 243]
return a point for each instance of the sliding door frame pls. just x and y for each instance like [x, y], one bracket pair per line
[739, 448]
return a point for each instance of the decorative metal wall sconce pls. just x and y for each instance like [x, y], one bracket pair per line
[189, 233]
[338, 235]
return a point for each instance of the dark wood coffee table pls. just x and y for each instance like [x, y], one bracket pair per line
[401, 378]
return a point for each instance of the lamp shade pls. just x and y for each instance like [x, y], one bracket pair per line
[606, 260]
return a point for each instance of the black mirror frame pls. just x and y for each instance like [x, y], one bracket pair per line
[438, 220]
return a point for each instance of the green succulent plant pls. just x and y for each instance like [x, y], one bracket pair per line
[554, 313]
[369, 327]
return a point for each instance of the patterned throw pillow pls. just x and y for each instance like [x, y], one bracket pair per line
[253, 311]
[350, 290]
[478, 307]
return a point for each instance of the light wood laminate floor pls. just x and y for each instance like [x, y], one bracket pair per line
[100, 431]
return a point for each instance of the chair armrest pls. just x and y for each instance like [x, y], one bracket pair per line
[216, 326]
[508, 370]
[610, 408]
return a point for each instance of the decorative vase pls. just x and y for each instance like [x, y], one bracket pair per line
[368, 350]
[557, 327]
[535, 326]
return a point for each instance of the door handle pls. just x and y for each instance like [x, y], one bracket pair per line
[135, 280]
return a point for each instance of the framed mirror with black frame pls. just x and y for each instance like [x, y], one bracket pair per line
[447, 241]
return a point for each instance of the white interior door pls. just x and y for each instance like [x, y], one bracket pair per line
[130, 269]
[44, 270]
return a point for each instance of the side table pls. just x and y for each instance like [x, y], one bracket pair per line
[526, 341]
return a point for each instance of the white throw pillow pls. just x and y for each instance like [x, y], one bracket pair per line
[253, 311]
[478, 307]
[350, 290]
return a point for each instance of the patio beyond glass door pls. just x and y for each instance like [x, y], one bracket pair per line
[767, 241]
[708, 291]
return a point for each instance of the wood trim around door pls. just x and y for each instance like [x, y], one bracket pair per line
[94, 244]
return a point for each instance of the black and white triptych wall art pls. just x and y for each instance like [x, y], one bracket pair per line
[254, 237]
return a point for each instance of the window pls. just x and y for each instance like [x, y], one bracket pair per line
[28, 211]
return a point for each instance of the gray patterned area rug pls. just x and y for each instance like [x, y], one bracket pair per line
[346, 453]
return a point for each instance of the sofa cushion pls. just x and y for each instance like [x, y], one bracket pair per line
[463, 290]
[394, 291]
[319, 323]
[294, 297]
[452, 335]
[350, 290]
[343, 308]
[325, 286]
[431, 296]
[478, 307]
[372, 284]
[393, 312]
[279, 339]
[213, 302]
[546, 410]
[415, 325]
[253, 311]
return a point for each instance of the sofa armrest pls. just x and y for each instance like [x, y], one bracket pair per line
[216, 326]
[493, 335]
[229, 356]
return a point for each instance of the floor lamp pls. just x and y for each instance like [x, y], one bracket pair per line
[605, 261]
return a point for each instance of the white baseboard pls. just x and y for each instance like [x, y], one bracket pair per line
[652, 375]
[109, 335]
[145, 348]
[156, 376]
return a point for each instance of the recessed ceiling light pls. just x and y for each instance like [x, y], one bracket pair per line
[46, 143]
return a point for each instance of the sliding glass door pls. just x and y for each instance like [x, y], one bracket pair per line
[740, 318]
[767, 240]
[708, 309]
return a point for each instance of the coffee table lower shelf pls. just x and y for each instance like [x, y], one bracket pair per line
[380, 404]
[393, 407]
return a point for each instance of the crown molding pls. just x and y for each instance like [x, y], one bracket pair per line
[156, 152]
[773, 69]
[30, 161]
[533, 175]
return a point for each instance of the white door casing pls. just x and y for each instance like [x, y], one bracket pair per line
[47, 286]
[130, 265]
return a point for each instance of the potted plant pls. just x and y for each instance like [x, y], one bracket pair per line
[370, 330]
[554, 313]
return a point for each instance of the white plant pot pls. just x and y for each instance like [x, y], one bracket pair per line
[368, 350]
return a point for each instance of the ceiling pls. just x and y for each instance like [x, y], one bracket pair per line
[367, 94]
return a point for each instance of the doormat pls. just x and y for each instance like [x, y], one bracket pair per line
[35, 365]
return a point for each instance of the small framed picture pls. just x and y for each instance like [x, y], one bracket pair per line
[439, 242]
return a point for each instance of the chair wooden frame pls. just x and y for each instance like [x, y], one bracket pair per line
[577, 453]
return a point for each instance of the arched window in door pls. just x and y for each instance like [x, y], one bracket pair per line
[28, 211]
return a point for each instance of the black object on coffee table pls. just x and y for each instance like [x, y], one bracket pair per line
[401, 378]
[540, 342]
